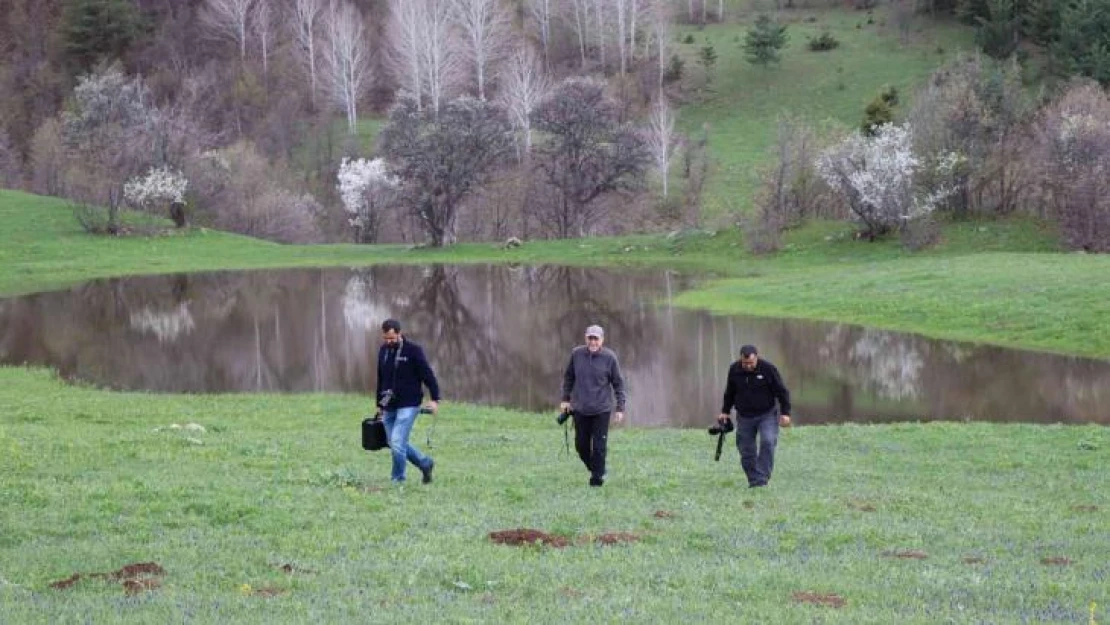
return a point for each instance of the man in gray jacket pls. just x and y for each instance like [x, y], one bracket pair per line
[592, 379]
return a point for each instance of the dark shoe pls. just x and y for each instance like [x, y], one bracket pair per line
[596, 481]
[427, 472]
[757, 484]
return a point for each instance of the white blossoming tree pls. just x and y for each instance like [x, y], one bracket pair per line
[877, 175]
[366, 188]
[160, 187]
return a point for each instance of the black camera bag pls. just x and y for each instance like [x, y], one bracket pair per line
[373, 434]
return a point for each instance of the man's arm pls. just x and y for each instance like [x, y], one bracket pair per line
[425, 373]
[568, 378]
[617, 381]
[780, 391]
[730, 393]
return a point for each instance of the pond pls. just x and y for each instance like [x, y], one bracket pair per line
[500, 335]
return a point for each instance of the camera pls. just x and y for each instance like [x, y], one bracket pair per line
[562, 417]
[386, 398]
[722, 427]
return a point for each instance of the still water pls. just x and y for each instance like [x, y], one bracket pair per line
[501, 336]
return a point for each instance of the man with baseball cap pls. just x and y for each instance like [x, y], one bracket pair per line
[591, 382]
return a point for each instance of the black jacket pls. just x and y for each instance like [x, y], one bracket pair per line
[404, 372]
[754, 392]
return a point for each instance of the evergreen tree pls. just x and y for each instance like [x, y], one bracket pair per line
[1042, 20]
[763, 42]
[96, 30]
[999, 30]
[1083, 45]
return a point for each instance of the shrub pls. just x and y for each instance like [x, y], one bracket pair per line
[825, 41]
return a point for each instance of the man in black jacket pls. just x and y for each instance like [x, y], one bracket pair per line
[402, 370]
[753, 387]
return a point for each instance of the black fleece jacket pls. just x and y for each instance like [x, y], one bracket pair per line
[404, 372]
[754, 392]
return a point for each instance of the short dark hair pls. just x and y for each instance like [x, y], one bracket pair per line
[391, 324]
[748, 350]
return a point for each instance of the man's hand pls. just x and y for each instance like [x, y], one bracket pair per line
[784, 420]
[722, 417]
[619, 416]
[564, 407]
[433, 406]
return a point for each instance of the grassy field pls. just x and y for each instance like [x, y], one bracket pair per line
[273, 514]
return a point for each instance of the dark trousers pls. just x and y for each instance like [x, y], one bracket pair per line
[591, 431]
[758, 462]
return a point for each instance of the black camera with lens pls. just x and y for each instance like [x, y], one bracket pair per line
[562, 417]
[722, 427]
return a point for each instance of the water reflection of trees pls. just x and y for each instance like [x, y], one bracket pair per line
[501, 335]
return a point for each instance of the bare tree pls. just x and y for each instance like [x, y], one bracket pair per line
[621, 7]
[228, 19]
[541, 12]
[263, 24]
[485, 28]
[442, 157]
[588, 152]
[437, 47]
[581, 26]
[405, 55]
[602, 36]
[661, 18]
[347, 63]
[304, 22]
[661, 139]
[524, 85]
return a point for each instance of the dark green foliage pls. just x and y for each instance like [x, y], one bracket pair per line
[707, 56]
[674, 69]
[999, 29]
[1083, 45]
[1042, 20]
[880, 111]
[763, 42]
[825, 41]
[688, 39]
[96, 30]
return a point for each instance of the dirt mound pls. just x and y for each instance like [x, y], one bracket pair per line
[613, 538]
[134, 578]
[664, 514]
[524, 536]
[906, 554]
[1056, 561]
[827, 599]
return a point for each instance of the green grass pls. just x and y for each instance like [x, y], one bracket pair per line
[745, 101]
[95, 480]
[1001, 282]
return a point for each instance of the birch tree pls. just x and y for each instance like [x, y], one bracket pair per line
[524, 85]
[306, 15]
[541, 12]
[228, 19]
[660, 139]
[581, 26]
[347, 59]
[485, 28]
[438, 59]
[661, 18]
[262, 24]
[621, 7]
[405, 55]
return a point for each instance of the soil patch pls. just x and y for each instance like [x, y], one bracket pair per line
[974, 560]
[862, 506]
[289, 568]
[134, 578]
[829, 599]
[612, 538]
[267, 591]
[1085, 508]
[664, 514]
[525, 536]
[1056, 561]
[906, 554]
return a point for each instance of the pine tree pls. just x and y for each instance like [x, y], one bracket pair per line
[1042, 20]
[763, 42]
[1083, 44]
[1000, 29]
[96, 30]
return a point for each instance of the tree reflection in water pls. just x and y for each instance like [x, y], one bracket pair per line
[501, 335]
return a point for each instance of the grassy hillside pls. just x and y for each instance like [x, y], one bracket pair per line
[744, 101]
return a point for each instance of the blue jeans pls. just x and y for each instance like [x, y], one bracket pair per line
[757, 464]
[398, 425]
